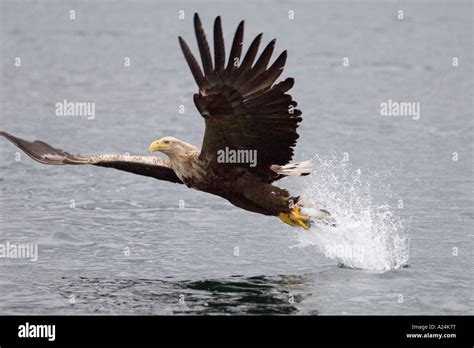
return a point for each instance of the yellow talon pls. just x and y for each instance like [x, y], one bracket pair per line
[294, 218]
[286, 219]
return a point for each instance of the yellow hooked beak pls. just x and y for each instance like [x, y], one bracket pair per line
[157, 146]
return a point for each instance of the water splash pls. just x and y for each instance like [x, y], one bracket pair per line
[369, 235]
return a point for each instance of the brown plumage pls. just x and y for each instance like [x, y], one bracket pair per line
[243, 110]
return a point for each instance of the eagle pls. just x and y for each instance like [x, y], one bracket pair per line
[247, 116]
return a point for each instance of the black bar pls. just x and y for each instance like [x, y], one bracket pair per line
[290, 330]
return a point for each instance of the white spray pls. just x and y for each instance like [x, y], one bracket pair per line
[367, 235]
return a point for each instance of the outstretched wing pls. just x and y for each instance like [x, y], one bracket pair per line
[142, 165]
[241, 105]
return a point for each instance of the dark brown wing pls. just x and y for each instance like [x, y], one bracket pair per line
[155, 167]
[242, 107]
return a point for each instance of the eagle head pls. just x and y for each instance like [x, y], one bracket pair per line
[171, 146]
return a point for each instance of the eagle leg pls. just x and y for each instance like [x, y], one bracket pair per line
[294, 218]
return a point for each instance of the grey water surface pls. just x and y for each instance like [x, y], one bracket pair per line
[111, 242]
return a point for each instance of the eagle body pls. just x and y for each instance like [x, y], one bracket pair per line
[242, 188]
[244, 109]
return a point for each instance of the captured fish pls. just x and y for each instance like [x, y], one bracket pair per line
[317, 212]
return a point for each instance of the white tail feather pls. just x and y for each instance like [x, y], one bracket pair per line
[294, 169]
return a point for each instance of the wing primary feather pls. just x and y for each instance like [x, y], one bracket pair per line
[251, 53]
[264, 58]
[192, 63]
[219, 48]
[203, 46]
[236, 49]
